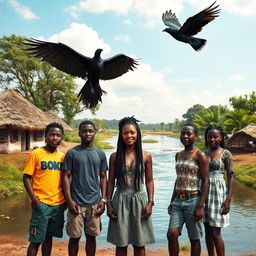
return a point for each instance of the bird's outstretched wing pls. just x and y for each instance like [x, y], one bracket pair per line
[117, 66]
[170, 20]
[194, 24]
[59, 56]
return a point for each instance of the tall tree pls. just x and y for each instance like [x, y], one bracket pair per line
[247, 102]
[47, 88]
[190, 114]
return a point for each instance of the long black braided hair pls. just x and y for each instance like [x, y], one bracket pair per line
[221, 131]
[120, 153]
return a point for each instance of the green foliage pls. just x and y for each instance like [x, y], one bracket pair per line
[246, 175]
[10, 180]
[247, 102]
[237, 120]
[214, 115]
[190, 114]
[46, 87]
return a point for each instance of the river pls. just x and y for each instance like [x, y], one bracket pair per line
[239, 237]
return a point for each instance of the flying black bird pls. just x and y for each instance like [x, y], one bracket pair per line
[73, 63]
[191, 27]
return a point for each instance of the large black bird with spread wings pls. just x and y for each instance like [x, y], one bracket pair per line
[191, 27]
[73, 63]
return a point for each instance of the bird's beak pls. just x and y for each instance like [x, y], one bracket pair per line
[164, 30]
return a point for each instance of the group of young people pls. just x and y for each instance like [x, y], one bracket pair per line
[78, 181]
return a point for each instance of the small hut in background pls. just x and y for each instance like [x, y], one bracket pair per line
[22, 124]
[243, 140]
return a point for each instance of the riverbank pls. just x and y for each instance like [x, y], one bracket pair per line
[17, 246]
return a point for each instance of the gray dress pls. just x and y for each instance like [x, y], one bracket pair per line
[129, 205]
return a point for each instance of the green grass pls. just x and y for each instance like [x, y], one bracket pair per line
[149, 141]
[185, 247]
[98, 140]
[10, 180]
[246, 175]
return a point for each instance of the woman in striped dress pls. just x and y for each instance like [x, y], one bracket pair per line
[218, 201]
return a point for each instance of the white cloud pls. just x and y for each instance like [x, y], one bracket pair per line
[151, 10]
[241, 7]
[82, 38]
[23, 10]
[128, 22]
[236, 77]
[122, 38]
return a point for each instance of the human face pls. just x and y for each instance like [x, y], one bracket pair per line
[129, 135]
[87, 133]
[213, 138]
[53, 137]
[188, 135]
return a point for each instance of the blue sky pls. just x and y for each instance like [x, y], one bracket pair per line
[171, 76]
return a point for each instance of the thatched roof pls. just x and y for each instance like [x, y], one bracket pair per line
[16, 111]
[250, 130]
[54, 118]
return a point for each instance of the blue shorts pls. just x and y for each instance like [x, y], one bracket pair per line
[183, 212]
[46, 220]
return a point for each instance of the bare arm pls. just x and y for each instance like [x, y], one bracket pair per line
[73, 208]
[149, 184]
[103, 187]
[27, 181]
[110, 186]
[204, 176]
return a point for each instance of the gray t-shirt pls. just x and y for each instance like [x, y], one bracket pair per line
[85, 166]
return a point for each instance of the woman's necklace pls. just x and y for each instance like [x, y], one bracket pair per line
[130, 151]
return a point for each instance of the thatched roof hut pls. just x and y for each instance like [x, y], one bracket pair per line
[22, 124]
[243, 140]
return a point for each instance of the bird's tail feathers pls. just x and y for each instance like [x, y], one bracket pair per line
[91, 95]
[197, 43]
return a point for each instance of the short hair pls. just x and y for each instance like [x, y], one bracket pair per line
[85, 123]
[53, 125]
[220, 130]
[193, 126]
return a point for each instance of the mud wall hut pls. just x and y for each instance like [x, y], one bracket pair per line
[22, 124]
[243, 140]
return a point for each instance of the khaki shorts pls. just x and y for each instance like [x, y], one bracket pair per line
[86, 218]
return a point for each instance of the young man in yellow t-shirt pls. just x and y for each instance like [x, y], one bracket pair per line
[42, 180]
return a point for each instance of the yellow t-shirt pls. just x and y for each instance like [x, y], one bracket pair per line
[44, 167]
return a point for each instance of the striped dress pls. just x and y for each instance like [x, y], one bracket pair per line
[217, 189]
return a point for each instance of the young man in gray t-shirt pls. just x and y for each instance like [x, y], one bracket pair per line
[85, 192]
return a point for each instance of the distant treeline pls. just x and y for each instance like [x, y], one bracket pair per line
[113, 124]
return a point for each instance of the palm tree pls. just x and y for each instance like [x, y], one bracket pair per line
[237, 120]
[213, 115]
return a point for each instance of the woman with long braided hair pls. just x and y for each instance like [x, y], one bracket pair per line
[131, 207]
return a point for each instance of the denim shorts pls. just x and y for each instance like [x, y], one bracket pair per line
[46, 220]
[183, 212]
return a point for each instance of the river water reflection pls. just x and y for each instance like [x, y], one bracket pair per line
[239, 236]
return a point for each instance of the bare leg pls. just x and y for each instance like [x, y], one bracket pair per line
[209, 240]
[173, 242]
[139, 251]
[73, 246]
[47, 246]
[121, 251]
[218, 241]
[33, 249]
[195, 247]
[90, 246]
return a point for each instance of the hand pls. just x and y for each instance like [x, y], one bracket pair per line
[100, 208]
[198, 213]
[73, 207]
[35, 203]
[111, 212]
[169, 209]
[147, 211]
[225, 207]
